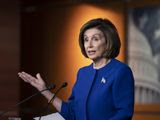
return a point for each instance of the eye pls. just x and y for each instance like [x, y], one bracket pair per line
[85, 40]
[95, 38]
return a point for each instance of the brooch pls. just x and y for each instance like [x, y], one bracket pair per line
[103, 80]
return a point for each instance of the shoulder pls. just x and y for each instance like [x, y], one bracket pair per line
[85, 68]
[123, 73]
[121, 66]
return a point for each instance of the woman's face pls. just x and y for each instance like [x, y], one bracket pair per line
[94, 43]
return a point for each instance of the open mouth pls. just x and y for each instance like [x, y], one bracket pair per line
[91, 52]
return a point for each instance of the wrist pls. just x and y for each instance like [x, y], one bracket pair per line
[42, 88]
[47, 94]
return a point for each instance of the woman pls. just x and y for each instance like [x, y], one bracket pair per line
[103, 90]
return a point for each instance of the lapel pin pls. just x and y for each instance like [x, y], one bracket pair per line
[103, 80]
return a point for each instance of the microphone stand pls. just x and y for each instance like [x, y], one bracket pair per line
[62, 86]
[52, 86]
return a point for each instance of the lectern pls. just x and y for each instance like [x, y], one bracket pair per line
[53, 116]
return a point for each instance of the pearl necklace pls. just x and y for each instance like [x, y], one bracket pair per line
[102, 65]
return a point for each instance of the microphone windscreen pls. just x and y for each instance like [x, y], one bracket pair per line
[64, 84]
[51, 86]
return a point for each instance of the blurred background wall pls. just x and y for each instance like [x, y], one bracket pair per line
[9, 54]
[41, 36]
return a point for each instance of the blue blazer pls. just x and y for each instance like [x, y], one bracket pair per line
[106, 96]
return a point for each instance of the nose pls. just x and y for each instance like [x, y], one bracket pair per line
[90, 44]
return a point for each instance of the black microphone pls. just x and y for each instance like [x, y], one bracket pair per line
[62, 86]
[50, 87]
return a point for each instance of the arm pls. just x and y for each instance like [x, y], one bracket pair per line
[39, 83]
[68, 108]
[123, 94]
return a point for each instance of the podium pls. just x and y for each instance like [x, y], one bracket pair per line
[53, 116]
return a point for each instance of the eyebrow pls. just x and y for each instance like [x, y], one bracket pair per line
[93, 34]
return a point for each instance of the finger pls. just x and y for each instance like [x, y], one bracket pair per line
[30, 81]
[27, 77]
[39, 76]
[23, 77]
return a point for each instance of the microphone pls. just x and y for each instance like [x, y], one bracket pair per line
[50, 87]
[62, 86]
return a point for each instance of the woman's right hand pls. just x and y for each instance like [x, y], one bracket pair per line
[37, 81]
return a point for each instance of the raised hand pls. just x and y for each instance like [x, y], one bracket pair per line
[36, 82]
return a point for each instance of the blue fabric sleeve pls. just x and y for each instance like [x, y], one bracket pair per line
[123, 94]
[68, 108]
